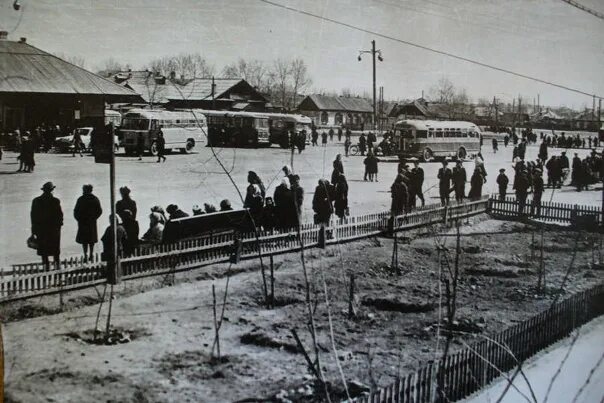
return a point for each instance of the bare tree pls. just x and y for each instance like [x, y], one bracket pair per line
[300, 78]
[253, 71]
[281, 71]
[455, 102]
[187, 65]
[111, 66]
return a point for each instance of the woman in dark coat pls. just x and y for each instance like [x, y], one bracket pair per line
[341, 196]
[400, 195]
[476, 183]
[86, 212]
[321, 202]
[132, 231]
[46, 223]
[284, 199]
[338, 168]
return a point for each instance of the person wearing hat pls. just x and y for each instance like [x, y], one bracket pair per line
[225, 205]
[502, 183]
[175, 212]
[46, 223]
[399, 194]
[417, 182]
[86, 212]
[564, 166]
[126, 203]
[459, 181]
[197, 210]
[444, 182]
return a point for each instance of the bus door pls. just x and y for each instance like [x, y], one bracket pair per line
[406, 139]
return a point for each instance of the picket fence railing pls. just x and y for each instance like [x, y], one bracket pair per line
[475, 366]
[546, 211]
[29, 280]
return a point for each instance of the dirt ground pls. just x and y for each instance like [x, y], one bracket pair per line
[161, 346]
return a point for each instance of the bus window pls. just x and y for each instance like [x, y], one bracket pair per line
[154, 125]
[458, 133]
[439, 133]
[422, 134]
[135, 124]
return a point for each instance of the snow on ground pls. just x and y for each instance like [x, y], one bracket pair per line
[187, 180]
[584, 355]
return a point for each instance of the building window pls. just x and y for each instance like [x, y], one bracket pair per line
[338, 118]
[324, 118]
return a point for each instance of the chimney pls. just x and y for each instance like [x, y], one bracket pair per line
[3, 35]
[22, 39]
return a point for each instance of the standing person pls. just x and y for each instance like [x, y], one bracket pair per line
[444, 183]
[346, 145]
[371, 140]
[46, 223]
[576, 170]
[338, 168]
[506, 140]
[283, 199]
[301, 141]
[126, 203]
[362, 143]
[502, 183]
[521, 185]
[324, 138]
[140, 146]
[27, 153]
[341, 195]
[161, 146]
[86, 212]
[331, 133]
[77, 143]
[495, 145]
[340, 135]
[254, 179]
[564, 166]
[107, 239]
[543, 151]
[417, 181]
[538, 186]
[298, 199]
[400, 194]
[321, 203]
[314, 137]
[254, 202]
[371, 166]
[132, 231]
[522, 149]
[155, 232]
[459, 181]
[175, 213]
[476, 183]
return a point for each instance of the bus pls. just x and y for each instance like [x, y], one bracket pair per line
[237, 129]
[601, 133]
[182, 129]
[428, 139]
[280, 125]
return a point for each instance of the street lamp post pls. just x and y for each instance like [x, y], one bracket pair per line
[381, 59]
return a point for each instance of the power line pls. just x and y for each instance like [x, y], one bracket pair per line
[586, 9]
[429, 49]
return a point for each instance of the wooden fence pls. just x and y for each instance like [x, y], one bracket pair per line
[474, 367]
[29, 280]
[565, 213]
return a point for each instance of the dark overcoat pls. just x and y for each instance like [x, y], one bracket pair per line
[46, 222]
[86, 212]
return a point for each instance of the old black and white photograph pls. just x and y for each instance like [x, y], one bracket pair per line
[360, 201]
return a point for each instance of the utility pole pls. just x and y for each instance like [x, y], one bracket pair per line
[593, 110]
[213, 94]
[496, 115]
[539, 102]
[373, 52]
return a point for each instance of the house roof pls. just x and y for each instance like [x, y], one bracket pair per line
[27, 69]
[196, 89]
[333, 103]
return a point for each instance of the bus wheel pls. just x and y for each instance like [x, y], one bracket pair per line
[154, 148]
[189, 147]
[428, 155]
[461, 153]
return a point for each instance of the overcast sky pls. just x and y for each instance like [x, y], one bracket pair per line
[544, 38]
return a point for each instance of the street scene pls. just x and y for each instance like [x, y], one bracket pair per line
[278, 201]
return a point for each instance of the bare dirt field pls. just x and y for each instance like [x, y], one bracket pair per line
[163, 335]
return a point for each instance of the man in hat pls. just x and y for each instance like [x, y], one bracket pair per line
[459, 181]
[444, 182]
[46, 223]
[502, 182]
[417, 181]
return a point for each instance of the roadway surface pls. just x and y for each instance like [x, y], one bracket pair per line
[197, 178]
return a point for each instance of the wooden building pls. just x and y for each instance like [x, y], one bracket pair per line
[37, 87]
[331, 111]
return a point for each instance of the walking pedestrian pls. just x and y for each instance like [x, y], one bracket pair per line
[543, 151]
[86, 212]
[331, 133]
[346, 146]
[502, 183]
[161, 146]
[444, 183]
[77, 143]
[46, 223]
[495, 145]
[324, 139]
[314, 137]
[340, 135]
[459, 181]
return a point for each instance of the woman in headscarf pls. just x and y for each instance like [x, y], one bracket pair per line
[254, 179]
[322, 203]
[156, 229]
[338, 168]
[476, 183]
[161, 214]
[254, 202]
[341, 195]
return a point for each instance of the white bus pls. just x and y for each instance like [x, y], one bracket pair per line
[427, 139]
[182, 129]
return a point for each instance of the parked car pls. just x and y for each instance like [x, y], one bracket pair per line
[65, 143]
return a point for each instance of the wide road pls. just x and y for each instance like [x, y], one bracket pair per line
[197, 178]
